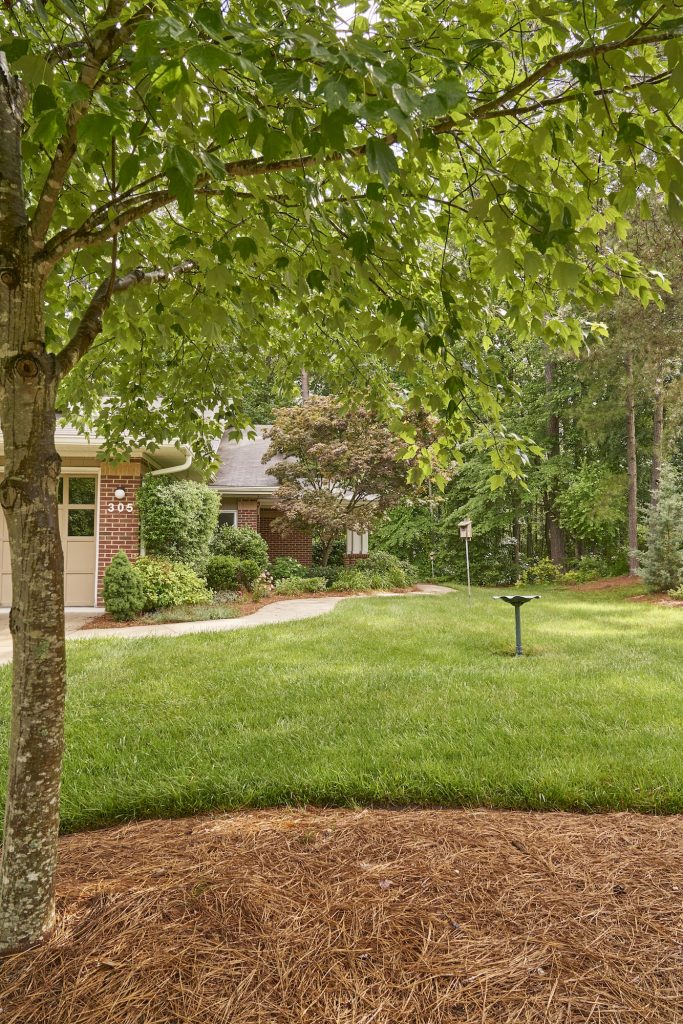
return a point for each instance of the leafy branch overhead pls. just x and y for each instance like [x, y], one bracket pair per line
[419, 179]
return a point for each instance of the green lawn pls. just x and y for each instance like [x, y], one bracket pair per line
[392, 700]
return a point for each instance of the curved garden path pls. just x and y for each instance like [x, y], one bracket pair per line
[278, 611]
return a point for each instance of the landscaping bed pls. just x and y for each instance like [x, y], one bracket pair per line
[362, 917]
[232, 610]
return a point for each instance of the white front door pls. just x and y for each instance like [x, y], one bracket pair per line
[78, 530]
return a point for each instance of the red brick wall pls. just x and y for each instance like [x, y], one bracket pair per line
[118, 530]
[295, 544]
[248, 514]
[352, 559]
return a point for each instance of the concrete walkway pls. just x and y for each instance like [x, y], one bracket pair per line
[278, 611]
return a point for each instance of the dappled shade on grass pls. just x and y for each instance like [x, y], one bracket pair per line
[389, 917]
[384, 701]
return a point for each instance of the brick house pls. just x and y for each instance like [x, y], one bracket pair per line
[247, 494]
[98, 514]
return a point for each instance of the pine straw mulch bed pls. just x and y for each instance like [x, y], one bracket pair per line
[363, 917]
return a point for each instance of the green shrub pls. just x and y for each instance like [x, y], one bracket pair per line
[240, 542]
[329, 573]
[166, 584]
[225, 572]
[353, 579]
[177, 519]
[367, 579]
[394, 571]
[543, 571]
[285, 568]
[124, 597]
[293, 585]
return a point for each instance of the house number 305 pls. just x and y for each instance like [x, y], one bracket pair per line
[120, 506]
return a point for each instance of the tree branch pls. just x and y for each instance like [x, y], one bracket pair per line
[91, 322]
[102, 49]
[13, 218]
[70, 239]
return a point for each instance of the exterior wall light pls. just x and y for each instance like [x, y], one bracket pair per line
[119, 494]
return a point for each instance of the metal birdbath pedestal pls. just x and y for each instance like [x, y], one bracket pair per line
[517, 600]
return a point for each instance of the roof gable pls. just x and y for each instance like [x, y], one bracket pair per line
[240, 466]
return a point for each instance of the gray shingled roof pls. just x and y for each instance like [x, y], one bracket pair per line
[240, 468]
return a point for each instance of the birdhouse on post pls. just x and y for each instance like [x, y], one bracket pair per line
[465, 528]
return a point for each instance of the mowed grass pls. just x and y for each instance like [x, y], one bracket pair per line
[408, 700]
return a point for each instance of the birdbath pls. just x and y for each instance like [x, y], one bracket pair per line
[517, 600]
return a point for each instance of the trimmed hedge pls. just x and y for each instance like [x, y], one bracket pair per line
[240, 542]
[177, 519]
[223, 572]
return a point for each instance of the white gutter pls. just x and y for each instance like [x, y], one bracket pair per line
[173, 469]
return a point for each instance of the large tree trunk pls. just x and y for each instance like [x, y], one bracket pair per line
[28, 493]
[556, 540]
[632, 470]
[657, 437]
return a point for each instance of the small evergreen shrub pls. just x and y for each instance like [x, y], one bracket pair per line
[240, 542]
[662, 562]
[124, 597]
[225, 572]
[290, 586]
[177, 519]
[166, 584]
[284, 568]
[543, 571]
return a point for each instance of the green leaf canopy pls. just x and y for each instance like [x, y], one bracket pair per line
[408, 182]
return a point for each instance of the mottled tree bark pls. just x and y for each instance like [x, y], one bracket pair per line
[28, 494]
[632, 470]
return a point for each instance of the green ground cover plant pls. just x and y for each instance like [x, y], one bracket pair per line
[387, 700]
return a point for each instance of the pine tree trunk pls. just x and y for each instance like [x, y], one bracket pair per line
[657, 437]
[28, 494]
[632, 470]
[556, 541]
